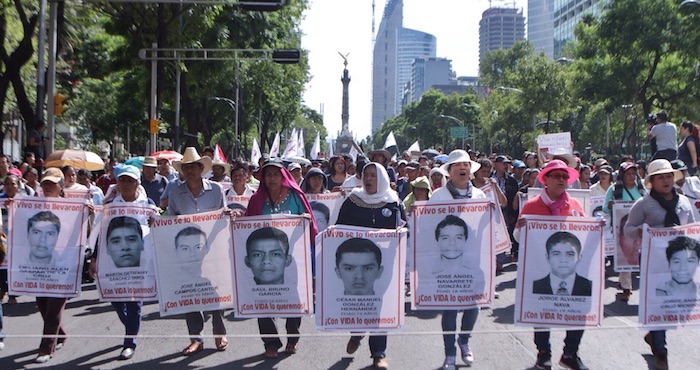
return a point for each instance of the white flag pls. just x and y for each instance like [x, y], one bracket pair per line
[390, 141]
[301, 150]
[354, 153]
[414, 147]
[330, 149]
[291, 149]
[316, 148]
[219, 154]
[275, 149]
[255, 154]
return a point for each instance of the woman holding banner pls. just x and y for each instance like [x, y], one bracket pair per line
[128, 181]
[555, 201]
[378, 206]
[662, 207]
[460, 167]
[279, 193]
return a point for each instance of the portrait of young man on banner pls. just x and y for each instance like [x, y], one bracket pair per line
[325, 208]
[46, 242]
[669, 280]
[125, 254]
[360, 284]
[193, 262]
[453, 255]
[626, 249]
[560, 277]
[272, 259]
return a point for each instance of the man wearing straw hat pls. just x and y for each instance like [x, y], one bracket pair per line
[152, 182]
[196, 195]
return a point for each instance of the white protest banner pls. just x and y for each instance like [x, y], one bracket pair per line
[237, 202]
[596, 205]
[359, 279]
[669, 283]
[560, 272]
[453, 255]
[326, 208]
[549, 142]
[5, 221]
[626, 249]
[96, 227]
[77, 194]
[47, 236]
[501, 238]
[193, 256]
[582, 195]
[272, 266]
[125, 270]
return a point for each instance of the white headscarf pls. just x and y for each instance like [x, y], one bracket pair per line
[384, 192]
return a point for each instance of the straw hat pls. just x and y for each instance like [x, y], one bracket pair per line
[191, 156]
[564, 155]
[658, 167]
[558, 165]
[52, 174]
[385, 153]
[150, 162]
[226, 166]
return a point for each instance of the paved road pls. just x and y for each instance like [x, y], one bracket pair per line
[95, 340]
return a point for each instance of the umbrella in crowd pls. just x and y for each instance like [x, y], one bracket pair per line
[135, 161]
[79, 159]
[167, 154]
[431, 153]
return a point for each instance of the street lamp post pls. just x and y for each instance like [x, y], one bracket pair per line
[460, 123]
[473, 106]
[231, 104]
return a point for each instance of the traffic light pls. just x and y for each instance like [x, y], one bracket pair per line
[261, 5]
[58, 106]
[286, 56]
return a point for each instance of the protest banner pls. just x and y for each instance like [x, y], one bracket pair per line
[77, 194]
[237, 202]
[272, 266]
[193, 255]
[582, 195]
[549, 142]
[5, 222]
[96, 225]
[453, 255]
[560, 274]
[125, 270]
[626, 249]
[47, 238]
[669, 283]
[501, 237]
[326, 208]
[596, 205]
[359, 279]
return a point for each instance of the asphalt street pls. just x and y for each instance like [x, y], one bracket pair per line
[94, 340]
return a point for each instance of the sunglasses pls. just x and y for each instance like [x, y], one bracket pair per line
[559, 176]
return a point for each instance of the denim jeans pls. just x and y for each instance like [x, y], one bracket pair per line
[449, 323]
[377, 344]
[658, 340]
[267, 326]
[130, 315]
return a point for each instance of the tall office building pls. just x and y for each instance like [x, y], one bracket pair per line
[500, 28]
[540, 26]
[428, 72]
[567, 13]
[395, 48]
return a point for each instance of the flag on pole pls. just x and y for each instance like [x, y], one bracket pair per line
[291, 149]
[330, 149]
[390, 141]
[414, 147]
[275, 149]
[316, 148]
[219, 154]
[301, 150]
[255, 154]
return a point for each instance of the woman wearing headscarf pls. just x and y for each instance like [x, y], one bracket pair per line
[128, 181]
[378, 206]
[438, 178]
[662, 207]
[279, 194]
[315, 182]
[421, 191]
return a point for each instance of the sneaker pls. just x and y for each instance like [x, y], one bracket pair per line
[544, 360]
[126, 354]
[42, 358]
[449, 363]
[467, 355]
[380, 363]
[661, 360]
[352, 346]
[572, 362]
